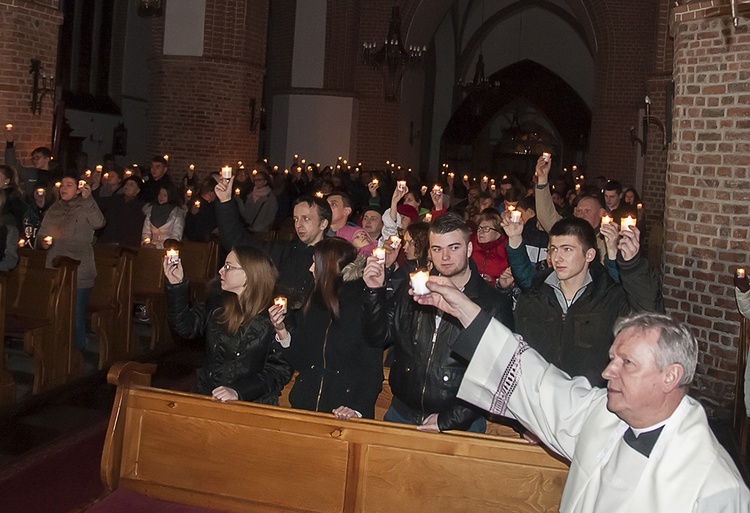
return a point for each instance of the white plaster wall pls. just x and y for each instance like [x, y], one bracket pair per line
[97, 130]
[318, 128]
[184, 23]
[308, 60]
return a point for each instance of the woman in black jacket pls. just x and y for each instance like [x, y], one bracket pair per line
[240, 361]
[337, 372]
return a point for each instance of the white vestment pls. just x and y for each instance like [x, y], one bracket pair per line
[687, 471]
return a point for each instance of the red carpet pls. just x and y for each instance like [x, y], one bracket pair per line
[58, 477]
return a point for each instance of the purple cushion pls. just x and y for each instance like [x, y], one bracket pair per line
[127, 501]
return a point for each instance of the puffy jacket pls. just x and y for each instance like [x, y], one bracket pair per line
[579, 341]
[336, 367]
[424, 375]
[172, 229]
[245, 360]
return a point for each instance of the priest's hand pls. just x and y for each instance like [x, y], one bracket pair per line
[445, 296]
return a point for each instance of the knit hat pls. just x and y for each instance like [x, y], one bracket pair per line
[350, 232]
[408, 211]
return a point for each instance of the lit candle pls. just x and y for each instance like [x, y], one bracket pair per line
[451, 175]
[239, 163]
[437, 189]
[401, 185]
[492, 181]
[237, 191]
[197, 204]
[574, 168]
[427, 217]
[319, 194]
[423, 190]
[740, 272]
[515, 216]
[21, 243]
[578, 187]
[226, 172]
[58, 184]
[147, 240]
[296, 156]
[394, 241]
[493, 187]
[99, 168]
[419, 282]
[375, 181]
[275, 168]
[505, 177]
[81, 184]
[9, 126]
[511, 208]
[255, 172]
[626, 223]
[105, 175]
[485, 179]
[88, 173]
[281, 302]
[639, 207]
[189, 193]
[466, 178]
[191, 167]
[546, 156]
[379, 254]
[128, 172]
[48, 240]
[606, 219]
[166, 157]
[286, 171]
[173, 256]
[40, 191]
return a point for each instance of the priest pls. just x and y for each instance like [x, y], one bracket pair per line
[640, 445]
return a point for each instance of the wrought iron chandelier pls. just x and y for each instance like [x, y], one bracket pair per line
[392, 59]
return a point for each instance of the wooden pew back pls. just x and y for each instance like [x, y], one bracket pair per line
[200, 262]
[148, 289]
[40, 309]
[242, 457]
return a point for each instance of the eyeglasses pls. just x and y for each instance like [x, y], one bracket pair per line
[228, 267]
[486, 229]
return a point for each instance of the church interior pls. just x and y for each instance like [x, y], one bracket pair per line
[654, 94]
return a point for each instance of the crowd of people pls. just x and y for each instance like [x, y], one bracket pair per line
[555, 262]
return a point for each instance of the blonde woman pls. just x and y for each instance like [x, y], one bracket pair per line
[240, 362]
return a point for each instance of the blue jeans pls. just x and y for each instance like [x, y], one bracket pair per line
[82, 297]
[478, 426]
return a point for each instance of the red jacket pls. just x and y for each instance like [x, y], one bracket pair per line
[491, 258]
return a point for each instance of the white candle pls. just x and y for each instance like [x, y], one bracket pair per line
[375, 181]
[515, 216]
[191, 167]
[237, 191]
[9, 126]
[105, 175]
[40, 191]
[58, 184]
[99, 168]
[740, 272]
[401, 185]
[226, 172]
[394, 241]
[379, 253]
[166, 157]
[466, 178]
[437, 189]
[281, 301]
[88, 173]
[427, 218]
[128, 172]
[82, 183]
[319, 194]
[606, 219]
[48, 240]
[578, 187]
[21, 243]
[423, 190]
[485, 179]
[173, 256]
[451, 175]
[189, 193]
[546, 156]
[419, 282]
[147, 240]
[626, 223]
[197, 204]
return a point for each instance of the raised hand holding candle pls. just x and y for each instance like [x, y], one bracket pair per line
[401, 185]
[99, 168]
[606, 219]
[515, 216]
[546, 156]
[626, 223]
[281, 302]
[82, 183]
[226, 172]
[173, 256]
[419, 282]
[423, 190]
[437, 189]
[379, 253]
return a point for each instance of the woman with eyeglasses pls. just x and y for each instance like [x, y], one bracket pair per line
[240, 362]
[324, 341]
[488, 246]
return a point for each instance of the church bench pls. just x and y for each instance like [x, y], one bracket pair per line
[110, 303]
[40, 305]
[189, 449]
[148, 289]
[200, 263]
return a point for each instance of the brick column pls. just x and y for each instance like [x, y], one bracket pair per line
[708, 187]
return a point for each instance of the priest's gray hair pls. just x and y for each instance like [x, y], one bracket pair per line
[676, 343]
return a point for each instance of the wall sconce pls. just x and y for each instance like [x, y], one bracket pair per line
[37, 92]
[646, 120]
[150, 8]
[255, 122]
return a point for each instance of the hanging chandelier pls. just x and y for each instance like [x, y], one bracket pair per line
[480, 88]
[392, 59]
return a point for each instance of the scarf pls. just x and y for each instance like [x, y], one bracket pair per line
[260, 193]
[160, 214]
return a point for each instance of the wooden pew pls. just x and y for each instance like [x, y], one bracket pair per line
[110, 304]
[200, 262]
[7, 383]
[40, 310]
[148, 289]
[240, 457]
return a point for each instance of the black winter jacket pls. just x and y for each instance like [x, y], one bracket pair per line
[579, 342]
[424, 376]
[336, 367]
[245, 361]
[292, 258]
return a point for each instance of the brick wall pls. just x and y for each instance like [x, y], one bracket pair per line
[29, 31]
[708, 188]
[199, 107]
